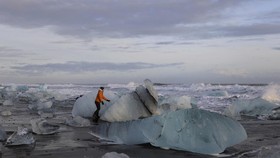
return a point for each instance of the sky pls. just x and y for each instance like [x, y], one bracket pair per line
[122, 41]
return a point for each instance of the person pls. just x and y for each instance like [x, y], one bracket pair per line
[99, 100]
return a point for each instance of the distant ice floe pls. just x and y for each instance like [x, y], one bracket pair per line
[192, 130]
[21, 137]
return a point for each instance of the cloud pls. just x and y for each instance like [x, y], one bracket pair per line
[79, 67]
[232, 72]
[126, 18]
[276, 48]
[7, 52]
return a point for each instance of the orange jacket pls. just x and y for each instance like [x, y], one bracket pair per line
[100, 97]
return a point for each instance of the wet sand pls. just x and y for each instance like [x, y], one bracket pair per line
[72, 142]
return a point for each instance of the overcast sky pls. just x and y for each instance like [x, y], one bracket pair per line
[118, 41]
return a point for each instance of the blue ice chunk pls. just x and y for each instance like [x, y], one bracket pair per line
[192, 130]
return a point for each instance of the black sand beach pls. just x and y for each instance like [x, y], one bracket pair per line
[263, 140]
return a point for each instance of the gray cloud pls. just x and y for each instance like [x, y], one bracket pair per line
[276, 48]
[78, 67]
[86, 18]
[7, 52]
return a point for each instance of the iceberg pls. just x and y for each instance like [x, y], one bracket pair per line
[194, 130]
[20, 137]
[41, 126]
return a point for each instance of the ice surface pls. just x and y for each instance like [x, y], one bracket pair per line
[250, 107]
[3, 135]
[192, 130]
[128, 107]
[41, 126]
[20, 137]
[115, 155]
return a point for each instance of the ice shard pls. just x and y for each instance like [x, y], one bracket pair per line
[20, 137]
[41, 126]
[192, 130]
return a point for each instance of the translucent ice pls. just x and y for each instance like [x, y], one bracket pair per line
[20, 137]
[41, 126]
[192, 130]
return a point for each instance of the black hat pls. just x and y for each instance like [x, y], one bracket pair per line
[102, 88]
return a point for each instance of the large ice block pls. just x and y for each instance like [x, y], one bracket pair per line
[192, 130]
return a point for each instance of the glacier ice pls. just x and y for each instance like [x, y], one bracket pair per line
[41, 126]
[21, 137]
[250, 107]
[192, 130]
